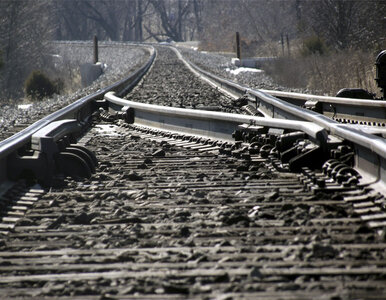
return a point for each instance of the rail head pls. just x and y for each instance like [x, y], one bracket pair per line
[327, 99]
[367, 111]
[313, 124]
[313, 130]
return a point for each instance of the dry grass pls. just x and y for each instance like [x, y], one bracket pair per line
[321, 74]
[327, 74]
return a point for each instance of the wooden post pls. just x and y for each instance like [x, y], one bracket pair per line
[95, 49]
[238, 48]
[288, 45]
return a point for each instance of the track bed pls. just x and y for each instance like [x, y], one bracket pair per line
[161, 220]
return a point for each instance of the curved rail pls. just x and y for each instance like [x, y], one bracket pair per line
[183, 118]
[271, 106]
[369, 148]
[292, 111]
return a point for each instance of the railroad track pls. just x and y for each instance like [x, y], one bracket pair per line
[177, 207]
[343, 110]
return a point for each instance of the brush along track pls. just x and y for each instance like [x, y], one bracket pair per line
[160, 220]
[121, 59]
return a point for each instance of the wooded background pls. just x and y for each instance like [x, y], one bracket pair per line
[322, 27]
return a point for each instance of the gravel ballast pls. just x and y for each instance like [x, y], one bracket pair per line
[170, 83]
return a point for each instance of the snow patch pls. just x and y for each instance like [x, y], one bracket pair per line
[109, 130]
[243, 69]
[24, 106]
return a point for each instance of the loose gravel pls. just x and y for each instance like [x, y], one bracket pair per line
[170, 83]
[161, 221]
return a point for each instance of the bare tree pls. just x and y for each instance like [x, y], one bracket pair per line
[1, 59]
[83, 19]
[133, 21]
[346, 23]
[260, 23]
[219, 25]
[332, 20]
[136, 19]
[109, 19]
[127, 19]
[198, 7]
[24, 32]
[178, 20]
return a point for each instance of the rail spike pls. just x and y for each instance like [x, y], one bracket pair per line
[53, 151]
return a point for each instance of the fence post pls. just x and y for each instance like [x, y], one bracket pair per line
[95, 49]
[288, 45]
[238, 49]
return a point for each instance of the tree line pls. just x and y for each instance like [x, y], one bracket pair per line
[26, 27]
[128, 20]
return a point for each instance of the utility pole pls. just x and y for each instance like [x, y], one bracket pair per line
[95, 49]
[288, 45]
[238, 48]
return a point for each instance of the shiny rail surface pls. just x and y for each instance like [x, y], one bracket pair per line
[226, 122]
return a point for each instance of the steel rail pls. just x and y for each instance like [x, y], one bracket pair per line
[327, 99]
[274, 106]
[370, 149]
[374, 143]
[347, 109]
[316, 128]
[315, 125]
[74, 110]
[155, 111]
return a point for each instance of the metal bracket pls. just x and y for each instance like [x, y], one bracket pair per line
[45, 158]
[128, 114]
[314, 105]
